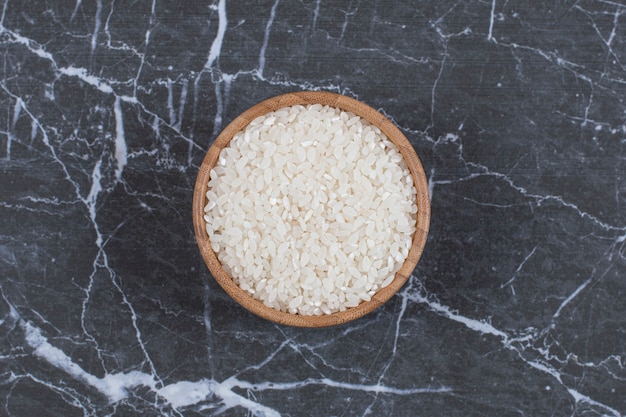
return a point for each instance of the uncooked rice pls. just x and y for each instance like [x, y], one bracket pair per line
[311, 209]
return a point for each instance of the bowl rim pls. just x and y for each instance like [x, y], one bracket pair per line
[345, 103]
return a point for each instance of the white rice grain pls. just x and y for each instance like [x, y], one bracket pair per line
[311, 209]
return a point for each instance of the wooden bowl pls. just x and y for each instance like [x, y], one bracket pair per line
[346, 104]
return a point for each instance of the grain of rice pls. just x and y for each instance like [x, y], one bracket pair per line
[311, 209]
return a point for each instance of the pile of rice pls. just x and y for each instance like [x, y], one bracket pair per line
[311, 209]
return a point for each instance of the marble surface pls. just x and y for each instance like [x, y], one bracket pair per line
[517, 307]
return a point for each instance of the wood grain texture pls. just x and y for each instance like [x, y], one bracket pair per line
[343, 103]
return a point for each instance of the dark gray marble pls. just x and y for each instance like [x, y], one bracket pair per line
[517, 307]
